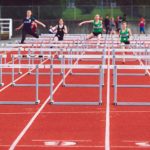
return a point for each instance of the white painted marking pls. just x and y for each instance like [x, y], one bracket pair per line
[107, 126]
[51, 143]
[143, 144]
[69, 143]
[43, 140]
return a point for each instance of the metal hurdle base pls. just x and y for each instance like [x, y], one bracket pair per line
[29, 85]
[131, 74]
[77, 103]
[132, 104]
[81, 85]
[19, 102]
[83, 74]
[59, 73]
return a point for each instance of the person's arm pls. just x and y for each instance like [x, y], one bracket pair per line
[54, 28]
[40, 23]
[20, 27]
[85, 22]
[65, 30]
[130, 33]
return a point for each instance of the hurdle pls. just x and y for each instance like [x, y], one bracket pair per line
[26, 56]
[82, 57]
[142, 57]
[116, 85]
[1, 74]
[36, 101]
[76, 66]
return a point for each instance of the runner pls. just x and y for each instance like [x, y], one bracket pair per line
[27, 26]
[97, 27]
[125, 34]
[60, 29]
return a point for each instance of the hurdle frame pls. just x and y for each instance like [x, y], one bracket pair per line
[84, 103]
[116, 86]
[36, 101]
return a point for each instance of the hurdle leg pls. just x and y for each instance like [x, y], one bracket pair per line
[1, 73]
[102, 70]
[71, 72]
[37, 101]
[100, 85]
[29, 62]
[13, 72]
[115, 85]
[51, 84]
[19, 59]
[5, 58]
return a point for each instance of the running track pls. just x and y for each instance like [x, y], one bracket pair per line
[45, 126]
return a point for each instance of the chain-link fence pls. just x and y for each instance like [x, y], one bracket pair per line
[74, 14]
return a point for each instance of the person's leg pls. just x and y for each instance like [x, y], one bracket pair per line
[99, 38]
[107, 30]
[33, 34]
[143, 30]
[56, 38]
[24, 33]
[89, 36]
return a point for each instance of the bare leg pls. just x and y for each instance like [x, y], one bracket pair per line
[55, 38]
[98, 39]
[90, 36]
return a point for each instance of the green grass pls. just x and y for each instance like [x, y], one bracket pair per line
[107, 11]
[76, 13]
[72, 14]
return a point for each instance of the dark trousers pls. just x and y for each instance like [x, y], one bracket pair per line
[107, 30]
[30, 32]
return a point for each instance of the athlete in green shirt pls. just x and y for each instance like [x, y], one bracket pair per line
[125, 34]
[97, 27]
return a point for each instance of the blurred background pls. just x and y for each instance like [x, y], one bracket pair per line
[74, 11]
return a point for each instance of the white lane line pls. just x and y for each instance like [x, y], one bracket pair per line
[62, 140]
[44, 146]
[70, 112]
[82, 146]
[107, 126]
[67, 112]
[22, 133]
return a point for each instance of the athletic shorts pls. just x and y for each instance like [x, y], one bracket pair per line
[60, 38]
[96, 33]
[127, 42]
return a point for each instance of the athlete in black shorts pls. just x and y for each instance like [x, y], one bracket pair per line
[60, 29]
[26, 26]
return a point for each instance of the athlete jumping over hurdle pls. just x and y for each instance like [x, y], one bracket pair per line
[97, 27]
[60, 29]
[27, 26]
[125, 34]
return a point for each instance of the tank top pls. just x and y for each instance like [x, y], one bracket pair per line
[60, 30]
[97, 27]
[124, 35]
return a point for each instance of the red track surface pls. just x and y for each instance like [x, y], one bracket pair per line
[84, 125]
